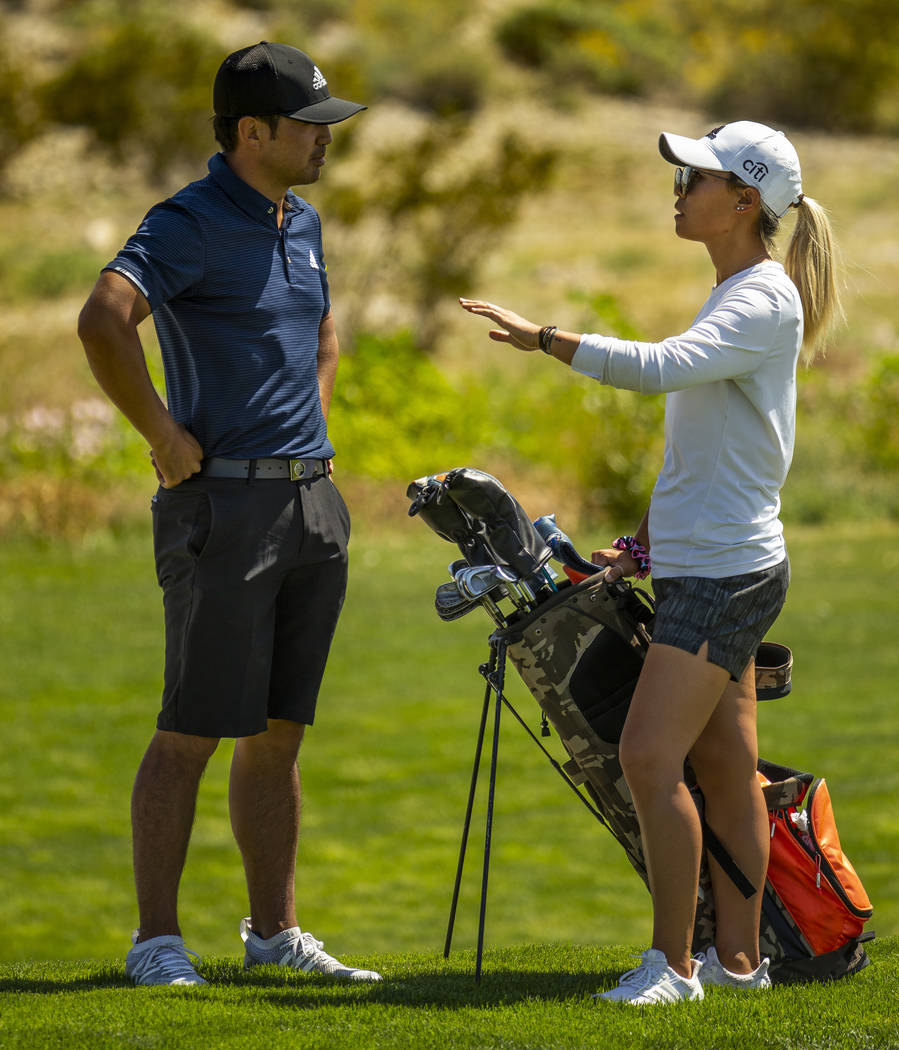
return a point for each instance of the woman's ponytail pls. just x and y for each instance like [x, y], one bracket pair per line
[811, 263]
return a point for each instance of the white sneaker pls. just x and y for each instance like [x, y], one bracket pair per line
[713, 972]
[653, 981]
[298, 950]
[161, 960]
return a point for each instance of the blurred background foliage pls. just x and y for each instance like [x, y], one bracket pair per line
[807, 63]
[508, 152]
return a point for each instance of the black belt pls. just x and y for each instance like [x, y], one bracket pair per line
[291, 469]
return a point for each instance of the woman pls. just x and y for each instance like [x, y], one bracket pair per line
[712, 536]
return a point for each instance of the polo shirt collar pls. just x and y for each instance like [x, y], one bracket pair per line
[249, 200]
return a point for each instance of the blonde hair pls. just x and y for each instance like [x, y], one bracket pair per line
[812, 262]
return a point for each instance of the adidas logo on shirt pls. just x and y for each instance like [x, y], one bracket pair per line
[312, 261]
[318, 80]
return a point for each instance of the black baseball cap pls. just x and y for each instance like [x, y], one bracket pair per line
[267, 79]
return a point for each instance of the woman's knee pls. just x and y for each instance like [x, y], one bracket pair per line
[720, 771]
[647, 764]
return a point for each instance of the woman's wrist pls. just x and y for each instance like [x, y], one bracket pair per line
[558, 344]
[638, 552]
[545, 339]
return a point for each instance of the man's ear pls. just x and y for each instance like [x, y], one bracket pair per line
[250, 132]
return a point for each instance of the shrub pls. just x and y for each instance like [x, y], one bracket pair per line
[445, 84]
[800, 63]
[879, 423]
[847, 446]
[89, 440]
[24, 273]
[812, 63]
[68, 472]
[394, 414]
[19, 114]
[413, 51]
[439, 212]
[622, 48]
[142, 84]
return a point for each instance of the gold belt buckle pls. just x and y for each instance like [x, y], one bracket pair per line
[297, 469]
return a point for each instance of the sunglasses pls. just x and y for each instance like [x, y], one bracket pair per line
[685, 178]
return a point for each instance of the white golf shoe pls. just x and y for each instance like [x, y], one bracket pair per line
[653, 982]
[161, 960]
[299, 951]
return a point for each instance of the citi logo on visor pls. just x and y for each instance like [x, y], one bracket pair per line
[755, 168]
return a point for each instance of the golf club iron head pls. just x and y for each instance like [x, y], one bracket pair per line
[478, 580]
[450, 603]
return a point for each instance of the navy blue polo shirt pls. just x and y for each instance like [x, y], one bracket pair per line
[237, 305]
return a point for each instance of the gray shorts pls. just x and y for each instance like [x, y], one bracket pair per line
[253, 577]
[732, 614]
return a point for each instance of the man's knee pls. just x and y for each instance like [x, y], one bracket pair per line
[279, 743]
[183, 748]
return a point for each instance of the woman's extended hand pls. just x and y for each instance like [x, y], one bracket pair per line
[515, 330]
[621, 563]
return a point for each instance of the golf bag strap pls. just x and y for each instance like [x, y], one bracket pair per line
[725, 861]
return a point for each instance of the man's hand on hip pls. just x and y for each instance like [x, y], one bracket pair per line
[176, 458]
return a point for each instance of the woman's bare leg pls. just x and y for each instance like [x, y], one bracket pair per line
[724, 760]
[675, 697]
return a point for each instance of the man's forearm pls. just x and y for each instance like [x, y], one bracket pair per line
[107, 327]
[120, 369]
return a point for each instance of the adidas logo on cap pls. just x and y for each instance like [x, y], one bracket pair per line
[318, 80]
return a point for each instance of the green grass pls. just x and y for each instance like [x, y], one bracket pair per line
[385, 771]
[387, 764]
[529, 997]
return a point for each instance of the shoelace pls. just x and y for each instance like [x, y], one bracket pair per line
[305, 947]
[171, 960]
[642, 975]
[311, 950]
[310, 945]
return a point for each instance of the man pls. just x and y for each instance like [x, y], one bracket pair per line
[250, 533]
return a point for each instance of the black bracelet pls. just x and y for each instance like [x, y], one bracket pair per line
[546, 337]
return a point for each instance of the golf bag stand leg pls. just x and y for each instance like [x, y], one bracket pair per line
[493, 672]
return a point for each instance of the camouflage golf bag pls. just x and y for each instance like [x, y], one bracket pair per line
[579, 648]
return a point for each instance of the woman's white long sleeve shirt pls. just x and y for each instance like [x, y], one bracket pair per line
[730, 416]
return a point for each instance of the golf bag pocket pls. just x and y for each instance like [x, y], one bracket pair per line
[603, 683]
[812, 878]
